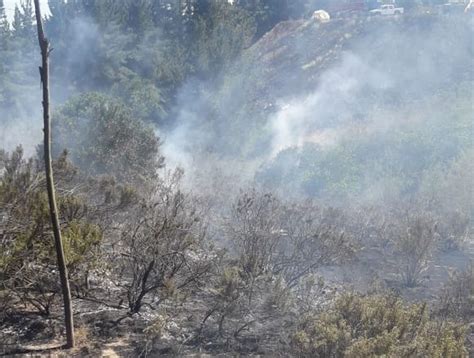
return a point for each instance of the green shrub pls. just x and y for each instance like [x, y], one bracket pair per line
[377, 326]
[103, 137]
[27, 253]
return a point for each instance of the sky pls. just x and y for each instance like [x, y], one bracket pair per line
[10, 7]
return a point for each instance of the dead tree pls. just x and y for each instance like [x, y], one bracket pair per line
[44, 73]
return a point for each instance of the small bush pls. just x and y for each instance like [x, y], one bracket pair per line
[163, 247]
[415, 246]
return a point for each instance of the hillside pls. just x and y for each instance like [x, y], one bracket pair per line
[308, 84]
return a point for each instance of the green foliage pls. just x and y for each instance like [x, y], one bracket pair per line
[102, 137]
[27, 255]
[268, 13]
[377, 326]
[22, 195]
[141, 51]
[79, 241]
[18, 60]
[141, 96]
[221, 36]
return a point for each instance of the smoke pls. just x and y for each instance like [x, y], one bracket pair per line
[382, 69]
[185, 140]
[193, 144]
[325, 86]
[25, 131]
[21, 119]
[302, 85]
[322, 116]
[20, 116]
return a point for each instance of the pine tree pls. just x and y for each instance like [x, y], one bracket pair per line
[27, 13]
[4, 47]
[3, 16]
[56, 24]
[17, 22]
[19, 59]
[4, 27]
[27, 21]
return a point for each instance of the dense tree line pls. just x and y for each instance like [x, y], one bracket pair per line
[141, 51]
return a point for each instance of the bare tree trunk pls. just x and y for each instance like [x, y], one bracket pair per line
[44, 72]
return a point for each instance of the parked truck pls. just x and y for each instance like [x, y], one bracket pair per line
[388, 10]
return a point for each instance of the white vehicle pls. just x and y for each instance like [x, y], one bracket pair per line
[388, 10]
